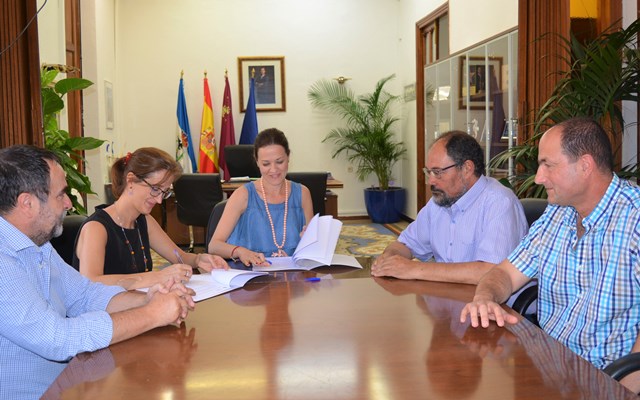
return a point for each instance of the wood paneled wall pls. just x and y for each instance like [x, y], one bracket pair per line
[20, 104]
[539, 60]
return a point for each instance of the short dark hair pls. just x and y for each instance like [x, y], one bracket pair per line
[462, 147]
[268, 137]
[24, 169]
[142, 163]
[583, 135]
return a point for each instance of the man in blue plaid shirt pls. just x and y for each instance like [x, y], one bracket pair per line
[583, 251]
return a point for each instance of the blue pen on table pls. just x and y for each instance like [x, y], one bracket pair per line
[314, 279]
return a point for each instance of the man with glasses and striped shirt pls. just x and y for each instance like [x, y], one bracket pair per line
[470, 223]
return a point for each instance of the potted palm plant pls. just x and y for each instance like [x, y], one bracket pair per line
[68, 149]
[367, 141]
[600, 74]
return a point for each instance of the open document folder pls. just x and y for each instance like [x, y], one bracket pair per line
[315, 249]
[219, 281]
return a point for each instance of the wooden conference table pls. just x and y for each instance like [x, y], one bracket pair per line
[362, 338]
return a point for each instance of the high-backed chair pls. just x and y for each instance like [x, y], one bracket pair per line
[196, 195]
[316, 182]
[65, 244]
[533, 208]
[240, 161]
[214, 218]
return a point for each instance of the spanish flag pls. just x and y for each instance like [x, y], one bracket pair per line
[208, 153]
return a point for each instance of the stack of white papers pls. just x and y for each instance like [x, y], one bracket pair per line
[315, 249]
[219, 281]
[288, 264]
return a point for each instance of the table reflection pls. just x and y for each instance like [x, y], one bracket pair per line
[372, 338]
[451, 340]
[520, 344]
[166, 351]
[326, 272]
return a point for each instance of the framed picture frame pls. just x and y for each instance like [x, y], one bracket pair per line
[480, 77]
[269, 81]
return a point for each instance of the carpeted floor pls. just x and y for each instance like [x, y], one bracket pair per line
[358, 238]
[397, 227]
[364, 239]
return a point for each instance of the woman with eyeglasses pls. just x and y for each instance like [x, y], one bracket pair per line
[113, 245]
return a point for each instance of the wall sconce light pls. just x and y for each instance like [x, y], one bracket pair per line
[341, 79]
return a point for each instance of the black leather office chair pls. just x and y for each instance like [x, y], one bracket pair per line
[196, 195]
[533, 208]
[214, 218]
[240, 161]
[65, 244]
[316, 182]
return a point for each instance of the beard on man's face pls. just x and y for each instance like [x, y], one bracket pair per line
[442, 199]
[44, 236]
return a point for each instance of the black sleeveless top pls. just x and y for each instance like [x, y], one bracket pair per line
[118, 258]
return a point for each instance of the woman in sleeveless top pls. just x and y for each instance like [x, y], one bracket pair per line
[264, 218]
[113, 245]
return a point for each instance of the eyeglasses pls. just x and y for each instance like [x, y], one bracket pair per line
[156, 191]
[436, 172]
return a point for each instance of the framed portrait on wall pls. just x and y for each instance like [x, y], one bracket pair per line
[269, 83]
[475, 79]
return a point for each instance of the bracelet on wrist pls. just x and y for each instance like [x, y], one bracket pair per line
[233, 251]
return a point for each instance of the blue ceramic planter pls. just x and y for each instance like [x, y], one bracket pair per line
[385, 206]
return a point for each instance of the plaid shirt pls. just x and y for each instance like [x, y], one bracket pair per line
[589, 287]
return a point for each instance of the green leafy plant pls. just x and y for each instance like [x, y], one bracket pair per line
[58, 140]
[368, 140]
[600, 74]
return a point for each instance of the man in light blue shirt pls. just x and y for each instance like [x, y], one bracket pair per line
[584, 251]
[49, 311]
[470, 223]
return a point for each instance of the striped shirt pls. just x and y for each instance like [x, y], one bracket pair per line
[49, 314]
[485, 224]
[589, 287]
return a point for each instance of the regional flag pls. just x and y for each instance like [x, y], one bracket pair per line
[250, 123]
[184, 134]
[227, 131]
[208, 153]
